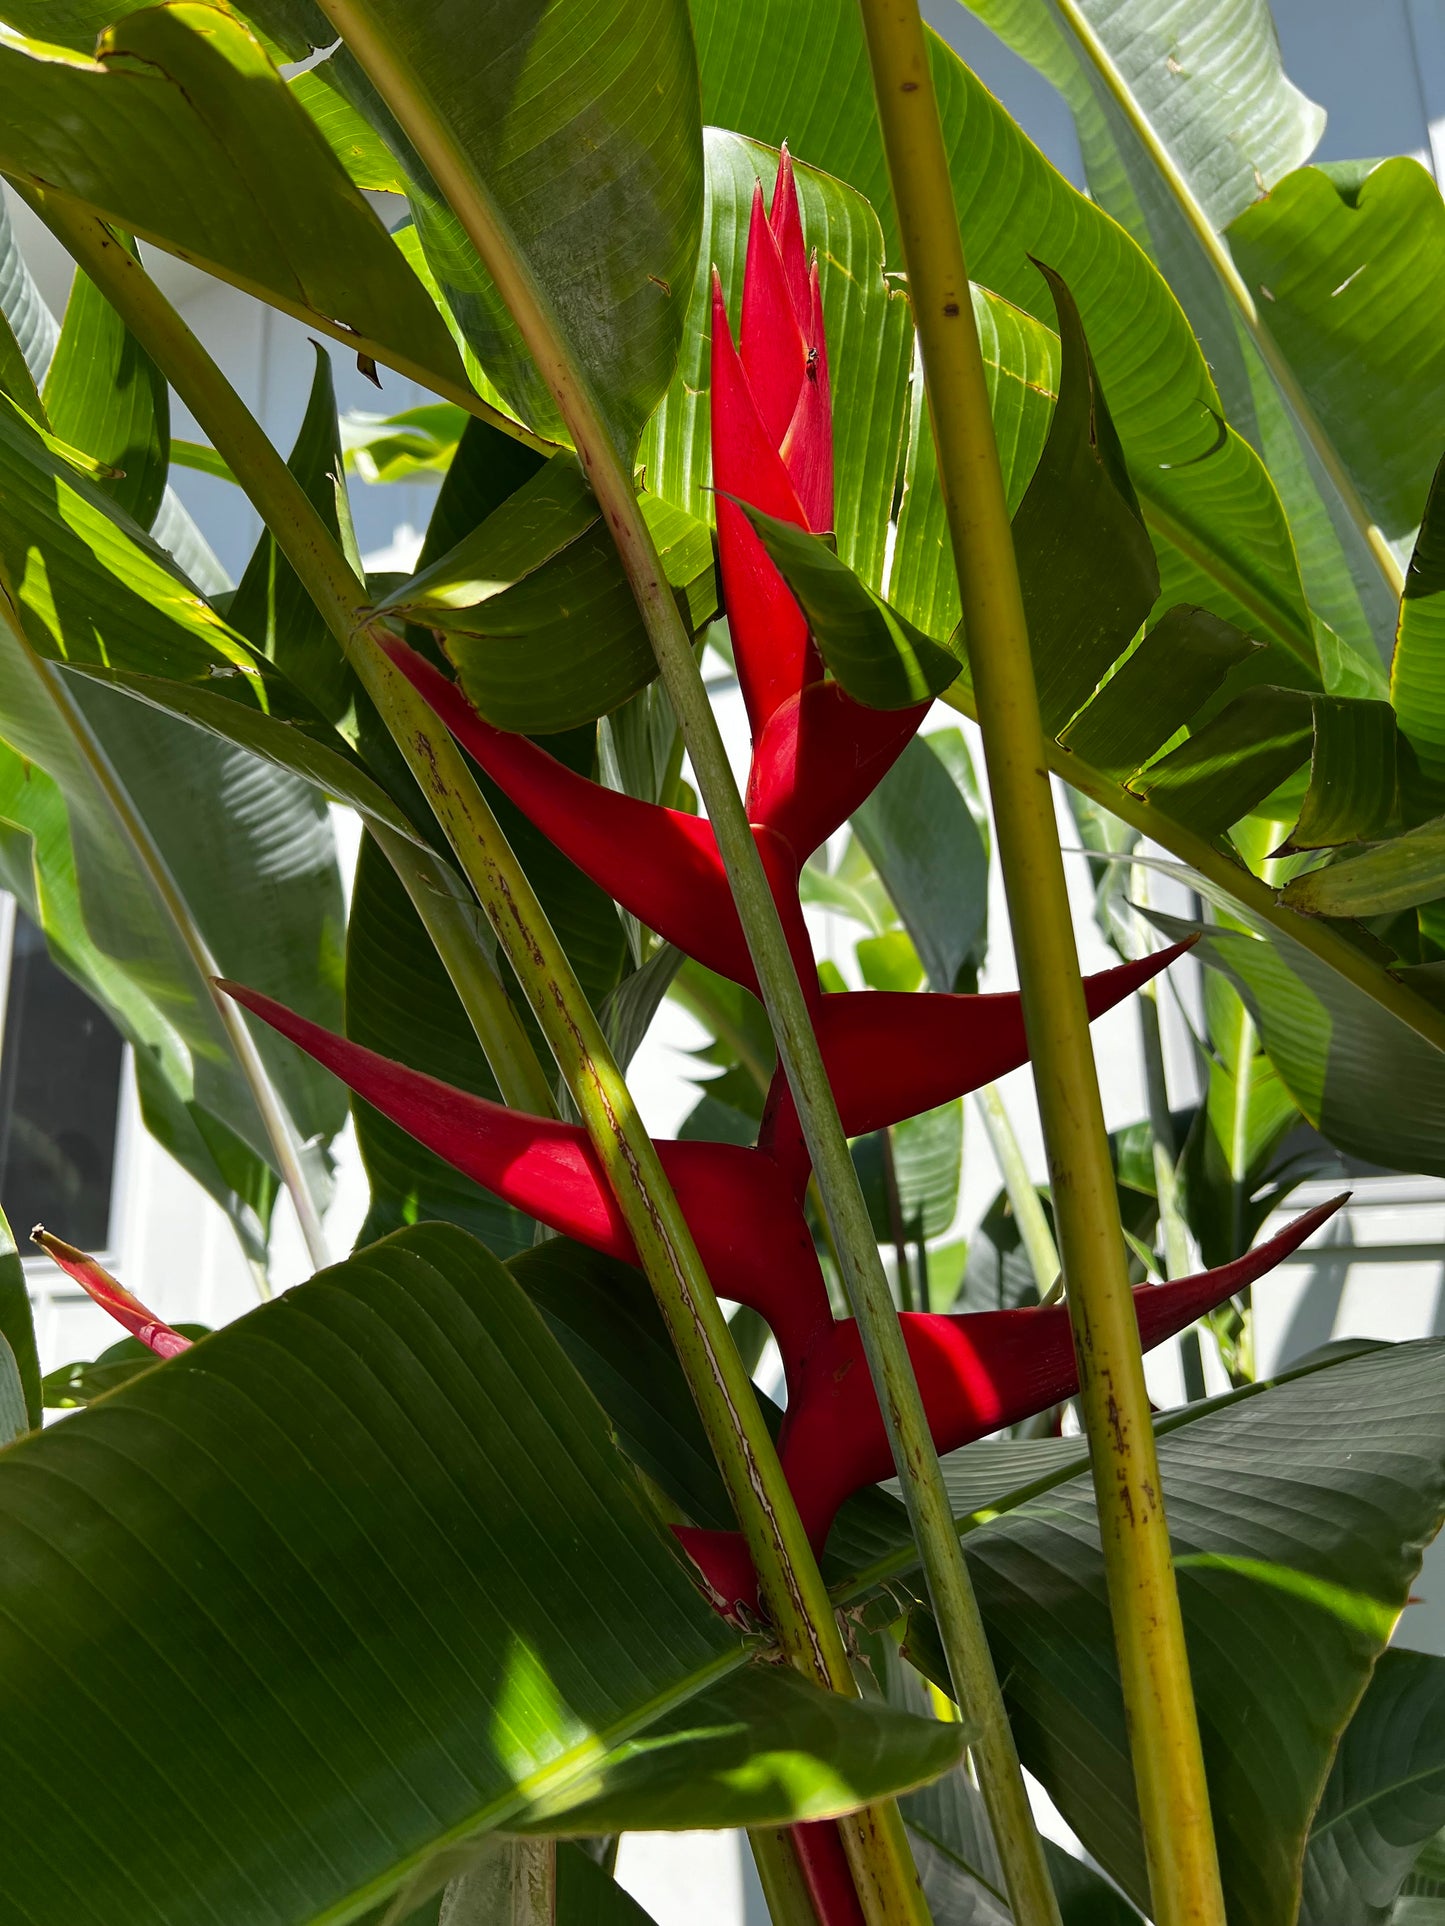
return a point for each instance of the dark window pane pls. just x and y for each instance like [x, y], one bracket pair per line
[60, 1064]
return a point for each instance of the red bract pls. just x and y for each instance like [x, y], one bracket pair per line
[112, 1296]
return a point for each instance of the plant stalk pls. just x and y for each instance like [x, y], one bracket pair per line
[916, 1458]
[1029, 1214]
[449, 915]
[791, 1584]
[781, 1878]
[272, 1113]
[1149, 1632]
[1222, 261]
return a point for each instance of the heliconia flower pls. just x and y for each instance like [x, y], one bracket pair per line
[112, 1296]
[977, 1372]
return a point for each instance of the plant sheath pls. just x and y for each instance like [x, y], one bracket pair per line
[1154, 1665]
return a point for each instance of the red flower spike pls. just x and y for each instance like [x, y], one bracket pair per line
[662, 865]
[823, 1863]
[977, 1372]
[807, 447]
[819, 755]
[773, 651]
[111, 1296]
[786, 220]
[770, 334]
[741, 1207]
[893, 1054]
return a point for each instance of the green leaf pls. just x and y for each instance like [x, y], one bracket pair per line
[925, 842]
[1335, 1049]
[760, 1744]
[927, 1164]
[1181, 662]
[496, 1891]
[1417, 673]
[865, 319]
[1394, 875]
[565, 644]
[878, 656]
[470, 1615]
[270, 607]
[104, 394]
[71, 1385]
[1209, 490]
[1354, 775]
[1086, 565]
[194, 142]
[584, 126]
[17, 1327]
[1203, 83]
[14, 1414]
[396, 448]
[1385, 1798]
[1348, 268]
[1335, 1481]
[1233, 762]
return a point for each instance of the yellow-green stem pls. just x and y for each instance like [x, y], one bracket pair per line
[791, 1584]
[781, 1877]
[1033, 1224]
[1154, 1664]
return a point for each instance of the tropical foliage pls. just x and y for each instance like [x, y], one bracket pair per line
[404, 1596]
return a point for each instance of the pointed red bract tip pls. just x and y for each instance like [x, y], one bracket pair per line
[772, 649]
[112, 1296]
[770, 336]
[785, 218]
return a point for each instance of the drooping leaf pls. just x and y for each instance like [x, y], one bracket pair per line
[930, 854]
[1086, 565]
[877, 655]
[104, 394]
[1178, 666]
[1233, 762]
[194, 142]
[1393, 875]
[1347, 265]
[1385, 1798]
[1417, 673]
[1354, 785]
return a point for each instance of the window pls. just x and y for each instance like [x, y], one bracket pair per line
[60, 1079]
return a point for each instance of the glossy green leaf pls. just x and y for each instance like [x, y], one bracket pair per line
[1334, 1047]
[1267, 1567]
[1385, 1797]
[270, 607]
[194, 142]
[395, 448]
[470, 1614]
[104, 394]
[1234, 761]
[17, 1327]
[1208, 486]
[866, 321]
[1417, 673]
[1354, 776]
[927, 1153]
[1393, 875]
[877, 655]
[14, 1413]
[1086, 564]
[930, 854]
[761, 1743]
[584, 125]
[565, 644]
[1181, 662]
[1347, 265]
[69, 1386]
[1204, 82]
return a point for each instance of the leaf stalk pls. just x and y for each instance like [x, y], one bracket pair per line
[1149, 1632]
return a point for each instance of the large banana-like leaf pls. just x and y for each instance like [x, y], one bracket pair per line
[377, 1579]
[1348, 267]
[17, 1327]
[1184, 116]
[1385, 1798]
[193, 141]
[1216, 503]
